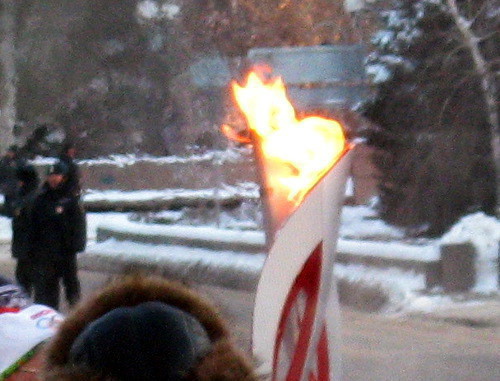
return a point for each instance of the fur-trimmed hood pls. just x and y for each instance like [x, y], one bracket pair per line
[223, 362]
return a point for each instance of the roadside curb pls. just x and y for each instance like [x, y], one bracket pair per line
[363, 296]
[239, 271]
[484, 313]
[196, 237]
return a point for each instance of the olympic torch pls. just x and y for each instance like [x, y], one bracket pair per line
[303, 166]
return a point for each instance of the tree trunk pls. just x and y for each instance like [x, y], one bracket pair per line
[488, 85]
[7, 74]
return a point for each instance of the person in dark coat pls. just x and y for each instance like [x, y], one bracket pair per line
[8, 182]
[59, 233]
[145, 328]
[22, 235]
[67, 156]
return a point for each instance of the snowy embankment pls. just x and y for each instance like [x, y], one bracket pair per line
[244, 190]
[405, 289]
[237, 270]
[231, 154]
[360, 231]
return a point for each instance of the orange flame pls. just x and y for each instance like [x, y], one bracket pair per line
[231, 134]
[307, 147]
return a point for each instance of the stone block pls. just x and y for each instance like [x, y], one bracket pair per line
[458, 267]
[433, 274]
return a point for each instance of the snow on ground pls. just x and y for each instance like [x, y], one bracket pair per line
[403, 287]
[231, 154]
[362, 222]
[360, 231]
[93, 221]
[246, 190]
[204, 233]
[5, 231]
[182, 254]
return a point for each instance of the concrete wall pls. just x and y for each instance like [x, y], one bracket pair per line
[204, 173]
[162, 174]
[154, 175]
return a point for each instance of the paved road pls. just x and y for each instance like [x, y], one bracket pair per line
[375, 347]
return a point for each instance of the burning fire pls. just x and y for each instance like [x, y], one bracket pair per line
[307, 148]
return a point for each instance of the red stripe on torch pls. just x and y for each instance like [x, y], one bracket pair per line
[322, 373]
[307, 281]
[323, 357]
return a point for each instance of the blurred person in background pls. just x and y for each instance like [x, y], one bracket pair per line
[22, 227]
[67, 156]
[59, 233]
[8, 182]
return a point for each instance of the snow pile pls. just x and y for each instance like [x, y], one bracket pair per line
[404, 288]
[362, 222]
[400, 287]
[484, 233]
[244, 190]
[228, 155]
[231, 154]
[389, 250]
[360, 231]
[140, 252]
[94, 220]
[227, 268]
[203, 233]
[5, 229]
[363, 232]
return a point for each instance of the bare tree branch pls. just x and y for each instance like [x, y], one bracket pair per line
[488, 84]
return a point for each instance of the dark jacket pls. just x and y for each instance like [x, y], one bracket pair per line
[8, 181]
[72, 184]
[7, 174]
[59, 225]
[221, 360]
[22, 227]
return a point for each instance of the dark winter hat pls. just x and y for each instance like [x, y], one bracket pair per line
[67, 145]
[151, 341]
[13, 148]
[28, 175]
[145, 328]
[58, 168]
